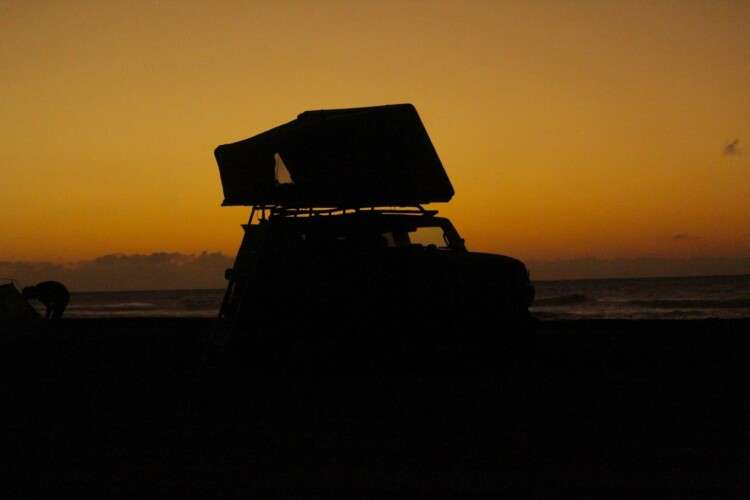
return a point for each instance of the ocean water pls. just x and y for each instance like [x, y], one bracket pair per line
[159, 303]
[646, 298]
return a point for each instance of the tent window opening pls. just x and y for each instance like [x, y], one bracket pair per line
[281, 173]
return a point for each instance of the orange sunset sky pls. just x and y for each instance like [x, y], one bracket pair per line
[569, 129]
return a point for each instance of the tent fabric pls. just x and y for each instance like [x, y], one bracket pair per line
[13, 305]
[358, 157]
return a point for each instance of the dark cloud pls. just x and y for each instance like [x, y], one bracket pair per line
[165, 271]
[733, 148]
[640, 267]
[156, 271]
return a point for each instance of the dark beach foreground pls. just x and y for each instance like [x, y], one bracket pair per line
[142, 408]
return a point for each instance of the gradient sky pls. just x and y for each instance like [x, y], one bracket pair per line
[569, 129]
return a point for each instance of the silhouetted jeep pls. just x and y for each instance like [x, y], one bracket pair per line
[338, 236]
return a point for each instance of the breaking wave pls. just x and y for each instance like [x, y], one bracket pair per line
[195, 304]
[563, 300]
[576, 299]
[690, 303]
[125, 306]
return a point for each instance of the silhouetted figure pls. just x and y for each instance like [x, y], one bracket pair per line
[52, 294]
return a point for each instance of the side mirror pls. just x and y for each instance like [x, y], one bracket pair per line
[229, 274]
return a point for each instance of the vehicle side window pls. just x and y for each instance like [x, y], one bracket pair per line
[429, 236]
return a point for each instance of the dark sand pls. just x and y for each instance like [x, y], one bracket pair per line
[148, 408]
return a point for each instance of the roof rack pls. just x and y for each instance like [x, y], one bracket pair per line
[266, 211]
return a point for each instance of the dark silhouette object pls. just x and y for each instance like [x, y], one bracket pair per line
[52, 294]
[13, 305]
[338, 250]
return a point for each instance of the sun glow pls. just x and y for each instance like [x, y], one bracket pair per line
[567, 129]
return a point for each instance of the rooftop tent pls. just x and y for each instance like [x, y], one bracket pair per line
[358, 157]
